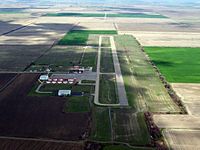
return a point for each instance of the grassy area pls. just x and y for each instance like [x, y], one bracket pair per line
[108, 93]
[88, 81]
[105, 42]
[122, 15]
[177, 64]
[129, 127]
[80, 37]
[143, 86]
[77, 104]
[106, 61]
[100, 124]
[122, 147]
[60, 58]
[87, 89]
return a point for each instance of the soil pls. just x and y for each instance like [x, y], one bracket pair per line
[37, 117]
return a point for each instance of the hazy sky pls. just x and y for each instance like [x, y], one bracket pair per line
[167, 2]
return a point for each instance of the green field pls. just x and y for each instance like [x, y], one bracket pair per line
[101, 129]
[143, 87]
[106, 61]
[105, 42]
[108, 92]
[177, 64]
[60, 58]
[77, 104]
[121, 15]
[129, 127]
[80, 37]
[87, 89]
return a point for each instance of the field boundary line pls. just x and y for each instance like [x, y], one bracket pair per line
[9, 82]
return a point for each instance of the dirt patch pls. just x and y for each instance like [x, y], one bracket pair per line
[177, 121]
[5, 78]
[166, 39]
[38, 117]
[183, 139]
[189, 93]
[11, 144]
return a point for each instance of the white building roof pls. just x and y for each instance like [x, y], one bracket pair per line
[44, 77]
[64, 92]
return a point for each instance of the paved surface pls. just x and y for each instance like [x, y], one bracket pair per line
[83, 76]
[119, 79]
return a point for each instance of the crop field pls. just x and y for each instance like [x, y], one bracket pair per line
[189, 93]
[60, 58]
[11, 144]
[106, 61]
[108, 93]
[38, 117]
[17, 58]
[80, 37]
[5, 78]
[129, 127]
[143, 86]
[183, 139]
[166, 37]
[101, 129]
[177, 121]
[122, 15]
[175, 63]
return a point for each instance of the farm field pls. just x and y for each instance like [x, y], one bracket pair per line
[143, 86]
[121, 147]
[80, 37]
[182, 139]
[68, 56]
[177, 121]
[166, 38]
[123, 15]
[189, 93]
[108, 92]
[175, 63]
[5, 78]
[8, 144]
[40, 117]
[129, 127]
[18, 57]
[101, 129]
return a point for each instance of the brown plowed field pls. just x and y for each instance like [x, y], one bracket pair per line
[9, 144]
[38, 117]
[5, 78]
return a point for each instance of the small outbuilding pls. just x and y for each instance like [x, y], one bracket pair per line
[64, 93]
[44, 78]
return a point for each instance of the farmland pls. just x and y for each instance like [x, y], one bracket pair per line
[143, 86]
[175, 63]
[80, 37]
[68, 56]
[5, 78]
[41, 117]
[130, 127]
[122, 15]
[101, 129]
[183, 139]
[20, 55]
[19, 144]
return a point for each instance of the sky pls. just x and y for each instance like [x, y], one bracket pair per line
[119, 2]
